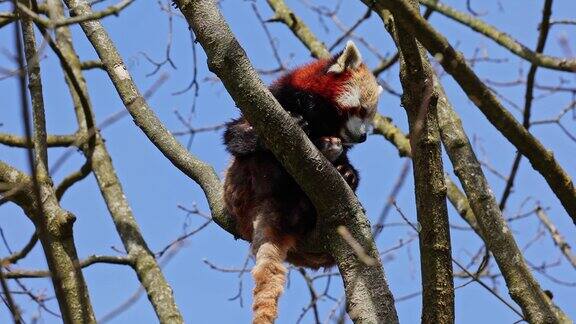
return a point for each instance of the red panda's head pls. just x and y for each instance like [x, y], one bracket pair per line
[347, 85]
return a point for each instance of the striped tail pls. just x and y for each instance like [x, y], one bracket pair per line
[269, 277]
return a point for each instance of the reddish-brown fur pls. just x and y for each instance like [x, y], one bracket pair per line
[269, 207]
[313, 78]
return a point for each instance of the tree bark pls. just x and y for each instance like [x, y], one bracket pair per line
[420, 102]
[54, 225]
[142, 259]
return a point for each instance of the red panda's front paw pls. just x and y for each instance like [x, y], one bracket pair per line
[331, 147]
[349, 175]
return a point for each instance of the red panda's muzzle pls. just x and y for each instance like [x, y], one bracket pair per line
[354, 131]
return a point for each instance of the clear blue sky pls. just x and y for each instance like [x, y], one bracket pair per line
[155, 188]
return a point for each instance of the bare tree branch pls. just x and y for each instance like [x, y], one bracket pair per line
[73, 178]
[92, 64]
[55, 232]
[475, 277]
[6, 18]
[529, 96]
[98, 160]
[503, 39]
[559, 240]
[285, 15]
[51, 140]
[420, 102]
[454, 63]
[522, 286]
[535, 304]
[54, 224]
[12, 307]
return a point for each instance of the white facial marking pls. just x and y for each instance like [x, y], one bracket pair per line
[350, 97]
[380, 89]
[356, 126]
[355, 129]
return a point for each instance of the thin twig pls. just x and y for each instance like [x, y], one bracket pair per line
[93, 259]
[528, 96]
[14, 310]
[52, 24]
[558, 239]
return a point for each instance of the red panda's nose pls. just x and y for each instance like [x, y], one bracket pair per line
[357, 138]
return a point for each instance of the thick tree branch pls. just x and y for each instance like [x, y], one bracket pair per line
[503, 39]
[522, 286]
[528, 96]
[98, 160]
[54, 224]
[454, 63]
[419, 100]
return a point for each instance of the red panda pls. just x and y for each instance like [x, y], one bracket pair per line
[334, 101]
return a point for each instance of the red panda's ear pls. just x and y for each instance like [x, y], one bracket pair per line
[349, 59]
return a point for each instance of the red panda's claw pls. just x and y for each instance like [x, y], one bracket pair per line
[348, 174]
[331, 147]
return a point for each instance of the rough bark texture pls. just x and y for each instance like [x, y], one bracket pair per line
[419, 100]
[528, 97]
[54, 225]
[558, 238]
[143, 261]
[368, 297]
